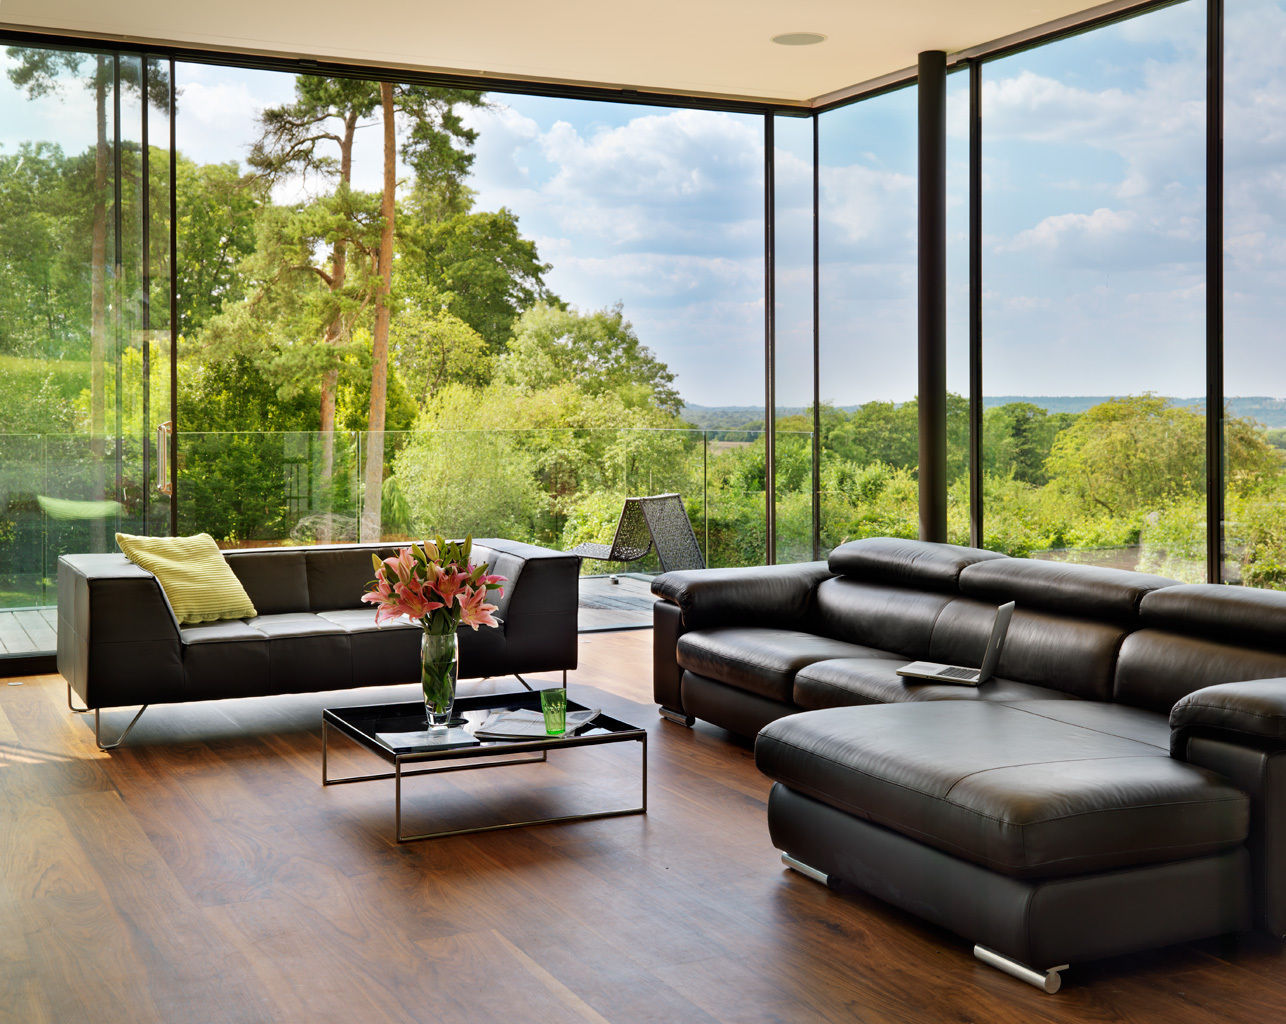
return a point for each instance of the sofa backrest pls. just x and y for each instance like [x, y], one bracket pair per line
[329, 577]
[1196, 635]
[888, 592]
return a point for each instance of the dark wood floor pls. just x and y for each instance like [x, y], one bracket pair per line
[203, 874]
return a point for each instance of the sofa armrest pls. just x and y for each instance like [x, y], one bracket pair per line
[780, 594]
[118, 637]
[539, 604]
[1252, 708]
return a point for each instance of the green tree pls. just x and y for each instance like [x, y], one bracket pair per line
[216, 234]
[486, 269]
[1018, 437]
[599, 352]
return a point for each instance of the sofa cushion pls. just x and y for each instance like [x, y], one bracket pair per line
[1157, 667]
[842, 682]
[1228, 614]
[293, 624]
[1016, 792]
[1086, 591]
[362, 620]
[275, 578]
[897, 562]
[1100, 716]
[1075, 655]
[337, 576]
[762, 661]
[887, 618]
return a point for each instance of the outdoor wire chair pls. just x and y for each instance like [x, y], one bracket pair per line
[659, 521]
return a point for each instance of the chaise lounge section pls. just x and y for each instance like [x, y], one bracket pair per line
[1118, 786]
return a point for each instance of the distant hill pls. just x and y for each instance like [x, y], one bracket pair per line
[1271, 412]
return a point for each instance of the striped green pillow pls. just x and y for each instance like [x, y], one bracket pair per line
[194, 575]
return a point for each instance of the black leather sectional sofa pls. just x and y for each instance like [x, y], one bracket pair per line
[119, 643]
[1120, 785]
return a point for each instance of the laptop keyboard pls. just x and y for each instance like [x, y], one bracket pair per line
[952, 672]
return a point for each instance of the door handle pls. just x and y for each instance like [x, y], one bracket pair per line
[164, 467]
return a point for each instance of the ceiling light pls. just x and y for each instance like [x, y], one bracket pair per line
[799, 38]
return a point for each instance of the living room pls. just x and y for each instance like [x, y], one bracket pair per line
[974, 277]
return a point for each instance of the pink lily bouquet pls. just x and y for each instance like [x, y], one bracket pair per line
[435, 584]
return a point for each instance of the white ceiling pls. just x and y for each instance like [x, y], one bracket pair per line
[707, 47]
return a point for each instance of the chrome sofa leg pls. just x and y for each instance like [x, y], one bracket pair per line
[98, 736]
[72, 707]
[807, 870]
[677, 717]
[1048, 981]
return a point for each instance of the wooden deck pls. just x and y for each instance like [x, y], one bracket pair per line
[202, 874]
[31, 632]
[28, 631]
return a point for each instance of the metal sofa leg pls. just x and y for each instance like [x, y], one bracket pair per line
[1048, 981]
[98, 736]
[71, 705]
[807, 870]
[677, 717]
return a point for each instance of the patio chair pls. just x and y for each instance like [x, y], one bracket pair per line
[657, 520]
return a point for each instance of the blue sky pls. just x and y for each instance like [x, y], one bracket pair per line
[1093, 215]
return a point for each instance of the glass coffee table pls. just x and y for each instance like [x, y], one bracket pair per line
[386, 730]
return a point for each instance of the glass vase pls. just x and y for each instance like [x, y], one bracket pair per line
[439, 669]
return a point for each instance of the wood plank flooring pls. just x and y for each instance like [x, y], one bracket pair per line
[203, 874]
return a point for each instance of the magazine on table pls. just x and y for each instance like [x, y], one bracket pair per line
[523, 724]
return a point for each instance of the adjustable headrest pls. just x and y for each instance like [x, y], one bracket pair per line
[1230, 614]
[907, 563]
[1086, 591]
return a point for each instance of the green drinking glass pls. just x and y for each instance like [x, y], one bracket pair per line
[553, 704]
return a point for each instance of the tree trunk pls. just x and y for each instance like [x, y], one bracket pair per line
[334, 332]
[374, 482]
[98, 310]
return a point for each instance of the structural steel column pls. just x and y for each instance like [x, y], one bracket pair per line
[1214, 293]
[933, 295]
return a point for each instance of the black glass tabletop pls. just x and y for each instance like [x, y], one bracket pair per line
[399, 730]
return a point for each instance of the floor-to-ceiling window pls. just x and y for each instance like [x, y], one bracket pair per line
[867, 359]
[1254, 300]
[84, 324]
[1093, 198]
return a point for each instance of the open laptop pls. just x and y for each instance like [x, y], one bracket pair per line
[959, 674]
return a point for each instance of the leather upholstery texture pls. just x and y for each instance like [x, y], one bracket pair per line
[1240, 615]
[895, 562]
[1260, 772]
[896, 619]
[120, 644]
[1041, 922]
[780, 595]
[1086, 591]
[1157, 667]
[759, 661]
[1015, 792]
[1256, 709]
[735, 710]
[843, 682]
[667, 674]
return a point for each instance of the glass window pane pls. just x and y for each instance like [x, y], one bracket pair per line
[1093, 305]
[869, 444]
[1254, 301]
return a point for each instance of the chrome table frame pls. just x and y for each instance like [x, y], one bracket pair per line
[490, 755]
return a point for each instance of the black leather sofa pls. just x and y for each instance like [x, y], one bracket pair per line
[120, 645]
[1120, 785]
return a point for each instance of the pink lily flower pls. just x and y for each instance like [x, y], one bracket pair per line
[474, 611]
